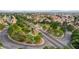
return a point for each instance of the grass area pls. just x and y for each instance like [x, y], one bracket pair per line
[22, 32]
[45, 26]
[57, 33]
[1, 26]
[20, 35]
[53, 28]
[1, 45]
[49, 47]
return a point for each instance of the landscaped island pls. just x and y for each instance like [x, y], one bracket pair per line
[23, 33]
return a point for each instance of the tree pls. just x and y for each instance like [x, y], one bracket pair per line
[54, 25]
[23, 32]
[37, 38]
[14, 29]
[56, 29]
[75, 39]
[70, 28]
[34, 38]
[64, 25]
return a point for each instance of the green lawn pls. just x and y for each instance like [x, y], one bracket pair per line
[1, 45]
[56, 29]
[1, 26]
[22, 32]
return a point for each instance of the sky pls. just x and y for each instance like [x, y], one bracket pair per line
[39, 5]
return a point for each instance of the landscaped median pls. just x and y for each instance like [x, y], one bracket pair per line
[56, 37]
[54, 29]
[24, 34]
[27, 44]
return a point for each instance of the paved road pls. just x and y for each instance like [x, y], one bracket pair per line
[8, 43]
[63, 41]
[48, 41]
[60, 43]
[67, 38]
[11, 45]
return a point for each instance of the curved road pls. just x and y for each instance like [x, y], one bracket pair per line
[11, 45]
[7, 43]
